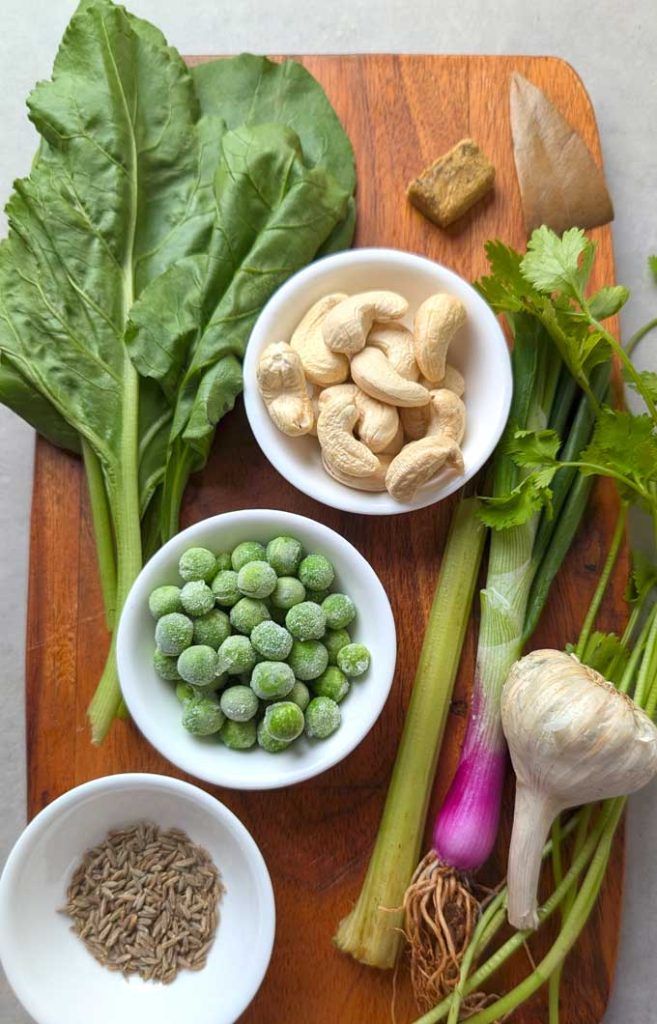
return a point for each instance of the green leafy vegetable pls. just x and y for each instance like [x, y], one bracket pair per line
[159, 216]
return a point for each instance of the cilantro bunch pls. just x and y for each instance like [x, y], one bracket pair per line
[549, 283]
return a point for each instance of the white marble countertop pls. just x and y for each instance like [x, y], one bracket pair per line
[610, 44]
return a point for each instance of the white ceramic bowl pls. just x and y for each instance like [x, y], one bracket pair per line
[49, 968]
[479, 351]
[152, 701]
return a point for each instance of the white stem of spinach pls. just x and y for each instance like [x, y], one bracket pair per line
[127, 526]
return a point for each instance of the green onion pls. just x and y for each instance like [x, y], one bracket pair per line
[371, 932]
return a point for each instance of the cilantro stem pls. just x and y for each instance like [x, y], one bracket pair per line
[629, 367]
[596, 470]
[647, 664]
[639, 336]
[607, 569]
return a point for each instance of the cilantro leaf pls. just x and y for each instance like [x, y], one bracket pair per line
[624, 444]
[580, 347]
[534, 448]
[648, 380]
[518, 506]
[608, 301]
[652, 264]
[504, 289]
[552, 264]
[605, 652]
[642, 578]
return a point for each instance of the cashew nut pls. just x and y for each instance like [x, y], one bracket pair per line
[374, 482]
[436, 322]
[346, 326]
[377, 423]
[321, 365]
[346, 392]
[453, 381]
[282, 384]
[397, 442]
[377, 377]
[417, 462]
[396, 343]
[447, 416]
[340, 448]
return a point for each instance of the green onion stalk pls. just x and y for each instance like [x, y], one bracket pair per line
[630, 662]
[396, 890]
[522, 563]
[372, 931]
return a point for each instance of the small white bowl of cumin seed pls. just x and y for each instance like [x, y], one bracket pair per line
[48, 966]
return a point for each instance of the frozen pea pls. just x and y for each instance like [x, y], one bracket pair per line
[322, 717]
[198, 665]
[332, 683]
[306, 621]
[247, 614]
[272, 641]
[267, 741]
[247, 551]
[185, 692]
[223, 561]
[339, 610]
[316, 595]
[316, 572]
[284, 720]
[225, 589]
[202, 715]
[300, 694]
[239, 703]
[197, 598]
[284, 555]
[238, 735]
[272, 680]
[334, 640]
[164, 600]
[211, 628]
[236, 655]
[256, 579]
[308, 659]
[197, 564]
[173, 633]
[288, 592]
[354, 660]
[165, 666]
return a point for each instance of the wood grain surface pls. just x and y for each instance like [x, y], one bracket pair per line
[400, 112]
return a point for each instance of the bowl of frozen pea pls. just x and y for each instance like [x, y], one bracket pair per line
[256, 649]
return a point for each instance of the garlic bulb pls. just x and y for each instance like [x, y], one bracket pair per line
[573, 739]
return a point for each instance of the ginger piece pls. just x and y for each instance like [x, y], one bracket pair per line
[452, 184]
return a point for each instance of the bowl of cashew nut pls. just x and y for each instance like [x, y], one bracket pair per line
[377, 381]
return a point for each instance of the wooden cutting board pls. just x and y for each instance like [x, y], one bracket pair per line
[400, 112]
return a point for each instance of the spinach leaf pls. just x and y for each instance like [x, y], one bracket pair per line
[120, 190]
[190, 327]
[28, 403]
[254, 90]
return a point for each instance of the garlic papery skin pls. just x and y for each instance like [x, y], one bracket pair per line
[573, 739]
